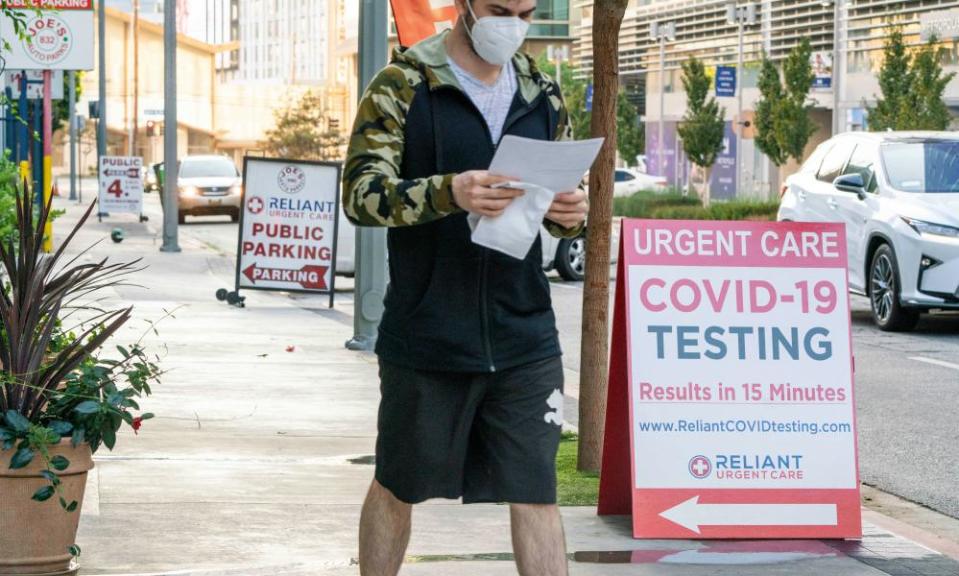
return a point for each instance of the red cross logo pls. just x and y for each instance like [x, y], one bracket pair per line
[700, 467]
[254, 205]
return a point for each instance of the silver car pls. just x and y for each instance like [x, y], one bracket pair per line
[208, 185]
[898, 195]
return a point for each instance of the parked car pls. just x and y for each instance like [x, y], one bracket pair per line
[150, 183]
[565, 255]
[898, 195]
[627, 182]
[208, 185]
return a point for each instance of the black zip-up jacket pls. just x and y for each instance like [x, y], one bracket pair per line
[451, 305]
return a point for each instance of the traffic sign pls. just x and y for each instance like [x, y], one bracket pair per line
[288, 226]
[730, 410]
[725, 81]
[121, 184]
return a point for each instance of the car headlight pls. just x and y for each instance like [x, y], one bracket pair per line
[189, 191]
[236, 190]
[931, 229]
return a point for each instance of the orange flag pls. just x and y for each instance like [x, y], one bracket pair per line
[419, 19]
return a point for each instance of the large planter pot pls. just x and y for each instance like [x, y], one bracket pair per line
[35, 537]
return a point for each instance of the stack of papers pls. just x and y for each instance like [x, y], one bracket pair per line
[542, 169]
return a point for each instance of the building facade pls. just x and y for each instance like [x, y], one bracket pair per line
[283, 41]
[846, 78]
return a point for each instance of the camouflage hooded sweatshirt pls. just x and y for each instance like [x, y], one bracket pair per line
[451, 305]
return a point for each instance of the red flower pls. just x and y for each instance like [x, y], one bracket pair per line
[137, 422]
[291, 348]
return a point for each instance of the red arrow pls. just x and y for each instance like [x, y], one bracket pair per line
[309, 277]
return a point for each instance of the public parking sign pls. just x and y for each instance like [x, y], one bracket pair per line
[288, 226]
[731, 411]
[121, 184]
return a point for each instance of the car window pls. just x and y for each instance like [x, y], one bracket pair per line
[834, 161]
[863, 162]
[931, 167]
[207, 167]
[812, 164]
[622, 176]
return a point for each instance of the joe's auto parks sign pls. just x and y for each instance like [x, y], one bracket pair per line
[59, 35]
[288, 226]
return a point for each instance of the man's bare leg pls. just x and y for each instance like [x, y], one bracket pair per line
[539, 543]
[384, 532]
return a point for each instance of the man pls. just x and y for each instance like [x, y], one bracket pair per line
[470, 369]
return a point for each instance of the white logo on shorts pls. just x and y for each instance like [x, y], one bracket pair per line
[555, 413]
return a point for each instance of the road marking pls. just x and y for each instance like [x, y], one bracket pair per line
[935, 362]
[691, 514]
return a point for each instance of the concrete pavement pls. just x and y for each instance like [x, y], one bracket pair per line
[258, 461]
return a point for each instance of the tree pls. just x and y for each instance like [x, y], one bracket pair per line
[783, 122]
[794, 124]
[894, 83]
[703, 126]
[631, 137]
[303, 132]
[771, 96]
[630, 133]
[927, 110]
[594, 363]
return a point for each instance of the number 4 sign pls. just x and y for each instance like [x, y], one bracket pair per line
[730, 411]
[121, 185]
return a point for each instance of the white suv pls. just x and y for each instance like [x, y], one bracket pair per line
[898, 195]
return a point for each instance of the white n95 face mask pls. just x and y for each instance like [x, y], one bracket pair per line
[497, 38]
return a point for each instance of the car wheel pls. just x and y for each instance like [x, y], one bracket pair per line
[235, 216]
[884, 291]
[181, 217]
[571, 258]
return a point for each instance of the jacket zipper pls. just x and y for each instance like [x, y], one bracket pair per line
[484, 309]
[484, 262]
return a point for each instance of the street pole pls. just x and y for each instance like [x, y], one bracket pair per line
[136, 78]
[836, 66]
[170, 170]
[662, 105]
[102, 81]
[739, 103]
[47, 181]
[72, 82]
[371, 270]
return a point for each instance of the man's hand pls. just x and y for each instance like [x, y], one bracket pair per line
[569, 209]
[472, 192]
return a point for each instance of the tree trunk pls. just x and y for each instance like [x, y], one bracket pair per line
[607, 19]
[707, 184]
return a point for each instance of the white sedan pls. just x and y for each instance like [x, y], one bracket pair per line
[627, 182]
[898, 195]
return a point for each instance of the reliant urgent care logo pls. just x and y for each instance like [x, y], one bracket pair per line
[255, 205]
[700, 467]
[50, 39]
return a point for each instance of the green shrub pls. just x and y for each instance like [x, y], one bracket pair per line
[675, 206]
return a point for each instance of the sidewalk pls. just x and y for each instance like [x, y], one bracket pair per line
[259, 458]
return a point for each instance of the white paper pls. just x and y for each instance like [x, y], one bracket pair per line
[542, 169]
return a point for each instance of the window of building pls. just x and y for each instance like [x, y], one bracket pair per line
[551, 19]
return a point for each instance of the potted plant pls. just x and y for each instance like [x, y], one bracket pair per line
[59, 399]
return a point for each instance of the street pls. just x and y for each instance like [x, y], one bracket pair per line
[906, 382]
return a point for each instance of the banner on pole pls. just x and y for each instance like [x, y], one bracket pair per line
[60, 35]
[121, 185]
[730, 410]
[288, 226]
[419, 19]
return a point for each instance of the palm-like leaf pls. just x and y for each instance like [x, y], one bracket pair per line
[39, 291]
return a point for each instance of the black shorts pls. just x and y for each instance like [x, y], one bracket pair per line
[483, 437]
